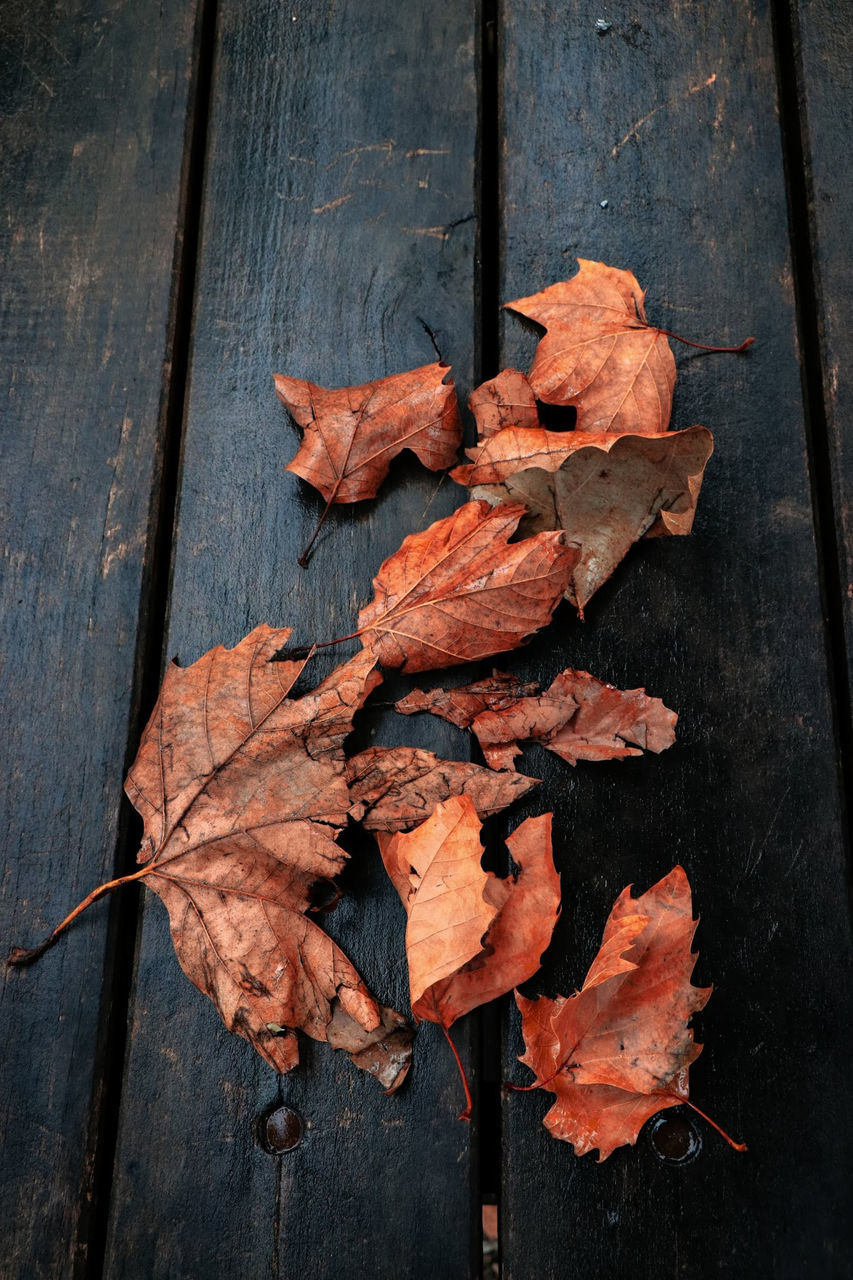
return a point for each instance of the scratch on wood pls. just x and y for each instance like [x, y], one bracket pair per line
[635, 128]
[428, 151]
[438, 233]
[333, 204]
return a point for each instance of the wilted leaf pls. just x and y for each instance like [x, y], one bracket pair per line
[242, 792]
[599, 353]
[460, 591]
[470, 936]
[504, 401]
[352, 434]
[605, 492]
[395, 788]
[619, 1049]
[577, 717]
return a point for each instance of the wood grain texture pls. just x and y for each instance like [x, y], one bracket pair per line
[825, 49]
[94, 104]
[338, 215]
[670, 118]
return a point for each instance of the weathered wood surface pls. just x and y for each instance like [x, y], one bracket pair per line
[338, 216]
[670, 118]
[823, 52]
[338, 219]
[94, 105]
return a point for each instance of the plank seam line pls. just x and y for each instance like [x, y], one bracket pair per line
[796, 151]
[124, 912]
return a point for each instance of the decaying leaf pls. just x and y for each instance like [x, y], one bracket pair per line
[605, 492]
[352, 434]
[395, 788]
[470, 936]
[460, 591]
[599, 353]
[504, 401]
[577, 717]
[619, 1049]
[242, 791]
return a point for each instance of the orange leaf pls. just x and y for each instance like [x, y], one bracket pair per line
[577, 717]
[470, 936]
[459, 591]
[504, 401]
[242, 791]
[352, 434]
[619, 1049]
[599, 353]
[605, 491]
[395, 788]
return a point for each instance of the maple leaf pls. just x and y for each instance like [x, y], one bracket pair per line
[604, 491]
[600, 354]
[459, 591]
[242, 792]
[620, 1049]
[352, 434]
[470, 936]
[395, 788]
[577, 717]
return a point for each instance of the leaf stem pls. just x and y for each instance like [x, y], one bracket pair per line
[736, 1146]
[24, 955]
[469, 1101]
[688, 342]
[302, 560]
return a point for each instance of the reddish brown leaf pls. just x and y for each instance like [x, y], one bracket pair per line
[620, 1048]
[599, 353]
[460, 706]
[577, 717]
[242, 791]
[352, 434]
[605, 492]
[470, 936]
[459, 591]
[395, 788]
[504, 401]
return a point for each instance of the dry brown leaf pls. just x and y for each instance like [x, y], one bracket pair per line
[619, 1049]
[504, 401]
[395, 788]
[577, 717]
[605, 492]
[352, 434]
[460, 591]
[599, 353]
[462, 705]
[242, 791]
[470, 936]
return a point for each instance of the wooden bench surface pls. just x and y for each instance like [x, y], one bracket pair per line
[199, 193]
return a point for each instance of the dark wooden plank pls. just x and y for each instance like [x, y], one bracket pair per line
[823, 50]
[95, 99]
[670, 117]
[338, 216]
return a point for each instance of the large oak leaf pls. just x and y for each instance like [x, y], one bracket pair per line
[242, 791]
[605, 492]
[599, 353]
[577, 717]
[470, 936]
[460, 591]
[619, 1049]
[395, 788]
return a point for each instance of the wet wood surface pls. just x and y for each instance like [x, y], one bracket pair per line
[198, 197]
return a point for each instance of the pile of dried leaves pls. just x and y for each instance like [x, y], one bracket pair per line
[244, 787]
